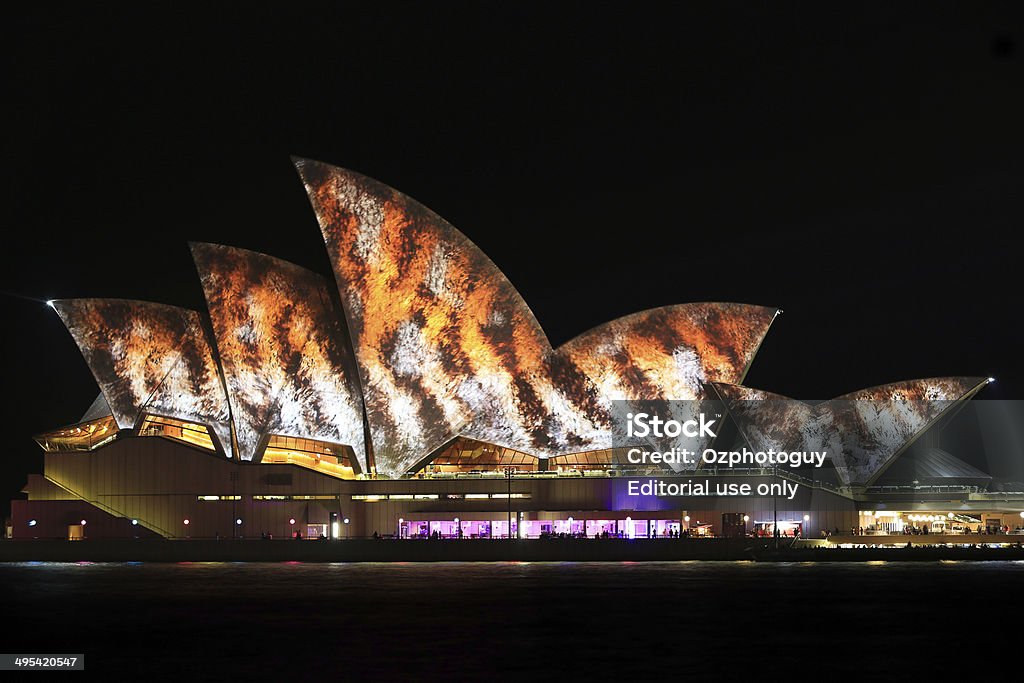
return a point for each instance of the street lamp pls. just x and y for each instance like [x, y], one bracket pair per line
[458, 528]
[233, 476]
[401, 521]
[509, 471]
[775, 507]
[346, 528]
[803, 530]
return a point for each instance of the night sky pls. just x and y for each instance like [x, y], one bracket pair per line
[859, 166]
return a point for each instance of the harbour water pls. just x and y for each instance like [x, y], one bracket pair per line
[522, 621]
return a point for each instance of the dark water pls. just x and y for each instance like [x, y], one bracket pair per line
[505, 621]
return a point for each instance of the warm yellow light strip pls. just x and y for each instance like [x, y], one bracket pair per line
[82, 437]
[321, 463]
[195, 434]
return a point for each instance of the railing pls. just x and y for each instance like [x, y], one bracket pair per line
[769, 472]
[926, 488]
[630, 472]
[1007, 496]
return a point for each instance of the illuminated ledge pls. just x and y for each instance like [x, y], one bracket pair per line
[85, 436]
[901, 540]
[469, 458]
[378, 497]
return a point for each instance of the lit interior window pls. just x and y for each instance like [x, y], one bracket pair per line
[80, 437]
[195, 434]
[469, 457]
[332, 459]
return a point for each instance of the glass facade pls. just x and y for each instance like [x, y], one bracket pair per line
[332, 459]
[466, 456]
[80, 437]
[179, 430]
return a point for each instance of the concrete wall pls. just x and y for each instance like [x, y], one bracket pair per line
[159, 482]
[53, 519]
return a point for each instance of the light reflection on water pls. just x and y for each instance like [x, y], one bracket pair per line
[470, 620]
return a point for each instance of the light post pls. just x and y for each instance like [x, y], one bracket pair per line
[775, 508]
[509, 471]
[803, 529]
[401, 521]
[234, 485]
[570, 526]
[292, 523]
[346, 528]
[458, 528]
[746, 518]
[686, 519]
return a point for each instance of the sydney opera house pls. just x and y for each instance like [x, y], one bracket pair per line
[416, 395]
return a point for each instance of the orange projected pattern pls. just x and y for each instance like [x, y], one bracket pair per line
[667, 353]
[151, 358]
[446, 346]
[862, 432]
[282, 350]
[440, 335]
